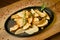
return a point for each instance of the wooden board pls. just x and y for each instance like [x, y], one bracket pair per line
[54, 28]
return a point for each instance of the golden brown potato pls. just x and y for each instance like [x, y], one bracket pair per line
[32, 30]
[40, 13]
[15, 27]
[30, 20]
[32, 11]
[36, 21]
[19, 22]
[47, 16]
[21, 14]
[36, 15]
[27, 14]
[26, 26]
[14, 16]
[19, 31]
[45, 22]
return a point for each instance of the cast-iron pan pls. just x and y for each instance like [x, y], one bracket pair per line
[9, 22]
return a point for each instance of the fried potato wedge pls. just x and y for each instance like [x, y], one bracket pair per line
[14, 16]
[26, 26]
[19, 22]
[36, 15]
[21, 14]
[15, 27]
[40, 13]
[27, 14]
[47, 16]
[32, 11]
[19, 31]
[36, 21]
[30, 20]
[32, 30]
[45, 22]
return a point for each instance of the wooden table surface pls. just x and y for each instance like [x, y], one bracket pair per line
[54, 28]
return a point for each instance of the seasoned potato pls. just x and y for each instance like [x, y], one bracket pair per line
[32, 11]
[30, 20]
[26, 26]
[41, 13]
[36, 15]
[21, 14]
[47, 16]
[15, 27]
[14, 16]
[27, 14]
[32, 30]
[19, 22]
[36, 21]
[45, 22]
[19, 31]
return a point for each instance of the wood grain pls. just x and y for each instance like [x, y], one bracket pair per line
[54, 28]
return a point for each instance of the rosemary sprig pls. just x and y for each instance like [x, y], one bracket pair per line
[43, 7]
